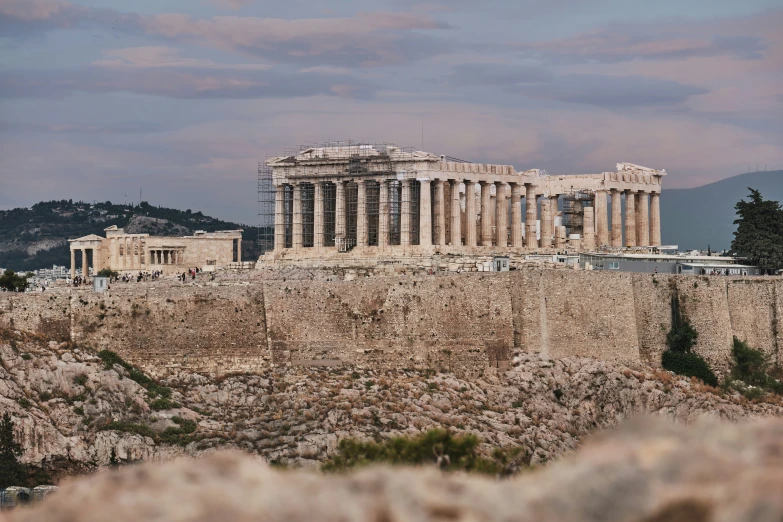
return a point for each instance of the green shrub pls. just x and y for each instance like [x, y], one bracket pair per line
[154, 389]
[180, 434]
[163, 404]
[458, 452]
[26, 356]
[45, 396]
[80, 379]
[107, 272]
[682, 336]
[751, 365]
[688, 364]
[24, 402]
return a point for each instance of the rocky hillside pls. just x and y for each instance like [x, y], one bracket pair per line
[73, 409]
[644, 472]
[37, 237]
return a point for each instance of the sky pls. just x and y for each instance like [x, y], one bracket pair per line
[181, 99]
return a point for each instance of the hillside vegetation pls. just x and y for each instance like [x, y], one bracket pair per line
[37, 237]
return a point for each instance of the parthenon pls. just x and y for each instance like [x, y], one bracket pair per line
[380, 200]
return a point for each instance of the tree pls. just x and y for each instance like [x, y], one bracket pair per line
[759, 234]
[107, 272]
[10, 281]
[12, 472]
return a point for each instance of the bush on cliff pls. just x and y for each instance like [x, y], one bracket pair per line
[689, 364]
[753, 368]
[12, 472]
[154, 389]
[680, 358]
[448, 451]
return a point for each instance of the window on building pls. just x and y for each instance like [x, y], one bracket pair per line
[614, 265]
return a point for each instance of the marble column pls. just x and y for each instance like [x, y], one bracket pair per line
[546, 223]
[361, 214]
[339, 214]
[601, 219]
[655, 219]
[73, 264]
[486, 214]
[642, 219]
[405, 214]
[588, 229]
[425, 213]
[297, 217]
[239, 249]
[440, 213]
[456, 215]
[553, 209]
[630, 219]
[470, 213]
[516, 215]
[530, 217]
[318, 216]
[383, 214]
[279, 241]
[85, 264]
[138, 251]
[501, 215]
[617, 220]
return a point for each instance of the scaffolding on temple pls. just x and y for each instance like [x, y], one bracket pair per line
[362, 194]
[574, 204]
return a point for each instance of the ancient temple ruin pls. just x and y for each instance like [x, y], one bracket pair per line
[366, 201]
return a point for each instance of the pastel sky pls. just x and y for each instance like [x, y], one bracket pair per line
[183, 98]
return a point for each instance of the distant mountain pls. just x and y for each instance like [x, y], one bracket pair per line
[697, 217]
[37, 237]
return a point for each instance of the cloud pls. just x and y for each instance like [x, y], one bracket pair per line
[184, 83]
[231, 4]
[122, 127]
[625, 44]
[608, 91]
[162, 56]
[364, 40]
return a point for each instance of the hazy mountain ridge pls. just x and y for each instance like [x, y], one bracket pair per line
[37, 237]
[701, 216]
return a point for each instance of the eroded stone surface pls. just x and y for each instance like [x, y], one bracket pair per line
[645, 471]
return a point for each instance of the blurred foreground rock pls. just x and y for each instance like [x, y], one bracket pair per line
[646, 470]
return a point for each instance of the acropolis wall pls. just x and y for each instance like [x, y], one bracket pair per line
[461, 322]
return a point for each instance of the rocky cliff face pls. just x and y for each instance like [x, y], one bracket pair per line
[645, 472]
[73, 411]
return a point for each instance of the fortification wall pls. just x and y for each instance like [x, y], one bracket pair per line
[216, 329]
[459, 322]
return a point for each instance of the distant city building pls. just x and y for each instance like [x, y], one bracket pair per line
[667, 263]
[124, 252]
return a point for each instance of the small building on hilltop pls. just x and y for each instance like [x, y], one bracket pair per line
[667, 263]
[123, 252]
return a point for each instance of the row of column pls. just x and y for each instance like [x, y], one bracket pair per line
[165, 257]
[642, 223]
[127, 252]
[85, 262]
[642, 219]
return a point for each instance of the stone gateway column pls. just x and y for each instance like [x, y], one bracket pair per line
[470, 211]
[516, 215]
[588, 230]
[85, 264]
[383, 214]
[546, 223]
[318, 218]
[73, 263]
[630, 219]
[456, 215]
[361, 214]
[642, 220]
[601, 219]
[339, 218]
[617, 220]
[530, 217]
[405, 214]
[486, 214]
[655, 219]
[297, 216]
[440, 213]
[501, 215]
[425, 213]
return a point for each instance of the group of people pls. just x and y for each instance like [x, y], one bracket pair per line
[192, 273]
